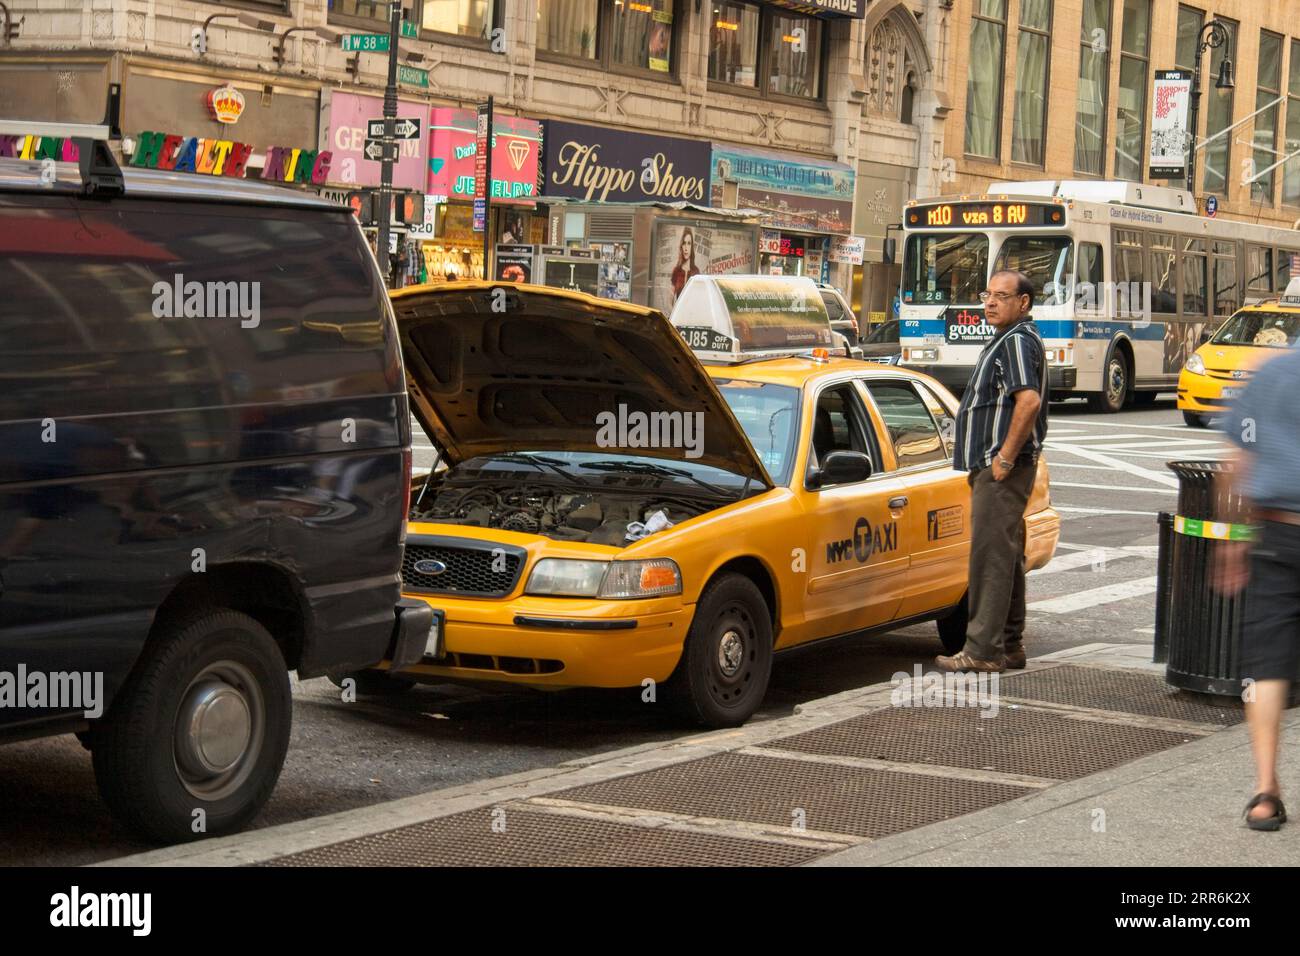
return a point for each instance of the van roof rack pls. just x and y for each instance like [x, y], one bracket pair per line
[101, 177]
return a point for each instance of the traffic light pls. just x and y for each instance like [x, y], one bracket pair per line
[409, 208]
[361, 202]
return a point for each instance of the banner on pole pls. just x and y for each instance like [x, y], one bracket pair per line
[1170, 142]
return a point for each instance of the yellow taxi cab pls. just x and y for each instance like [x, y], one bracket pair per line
[607, 512]
[1219, 370]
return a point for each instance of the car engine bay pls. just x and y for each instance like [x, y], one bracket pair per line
[608, 517]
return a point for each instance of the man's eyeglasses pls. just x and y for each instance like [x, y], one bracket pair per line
[1000, 296]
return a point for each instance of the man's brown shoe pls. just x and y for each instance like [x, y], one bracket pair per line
[1015, 657]
[961, 661]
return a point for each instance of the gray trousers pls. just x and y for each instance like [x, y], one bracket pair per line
[996, 600]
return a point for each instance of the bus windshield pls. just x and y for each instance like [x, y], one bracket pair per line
[1047, 260]
[1272, 329]
[945, 268]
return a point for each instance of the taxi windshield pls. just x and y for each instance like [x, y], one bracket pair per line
[768, 414]
[1265, 329]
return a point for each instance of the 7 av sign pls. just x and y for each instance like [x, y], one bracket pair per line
[406, 128]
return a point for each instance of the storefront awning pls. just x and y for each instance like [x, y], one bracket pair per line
[856, 9]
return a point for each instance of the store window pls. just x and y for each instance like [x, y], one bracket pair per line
[1217, 106]
[1268, 87]
[984, 79]
[1291, 171]
[632, 35]
[1193, 277]
[1190, 23]
[467, 18]
[1130, 116]
[1225, 278]
[1094, 79]
[748, 42]
[1032, 45]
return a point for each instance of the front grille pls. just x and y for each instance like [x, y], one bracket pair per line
[480, 568]
[1227, 374]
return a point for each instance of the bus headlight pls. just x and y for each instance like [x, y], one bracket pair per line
[1063, 356]
[1195, 365]
[920, 355]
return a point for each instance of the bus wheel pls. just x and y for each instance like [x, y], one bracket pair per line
[1195, 420]
[1114, 386]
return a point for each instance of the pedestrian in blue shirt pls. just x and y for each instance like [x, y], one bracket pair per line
[1264, 424]
[1001, 424]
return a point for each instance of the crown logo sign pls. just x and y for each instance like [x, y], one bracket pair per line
[518, 153]
[226, 104]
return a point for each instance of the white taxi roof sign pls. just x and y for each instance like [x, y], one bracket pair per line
[1292, 294]
[736, 317]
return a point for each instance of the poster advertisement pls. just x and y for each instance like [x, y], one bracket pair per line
[768, 314]
[1170, 96]
[685, 249]
[514, 263]
[576, 275]
[615, 271]
[660, 39]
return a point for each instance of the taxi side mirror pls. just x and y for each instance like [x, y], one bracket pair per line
[841, 468]
[1204, 337]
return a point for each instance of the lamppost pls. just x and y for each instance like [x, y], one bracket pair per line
[1217, 36]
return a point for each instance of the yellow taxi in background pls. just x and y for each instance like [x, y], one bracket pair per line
[610, 513]
[1218, 371]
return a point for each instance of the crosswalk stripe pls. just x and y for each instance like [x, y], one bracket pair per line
[1081, 559]
[1107, 594]
[1166, 479]
[1069, 509]
[1077, 484]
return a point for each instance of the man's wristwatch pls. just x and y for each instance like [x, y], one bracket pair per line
[1004, 463]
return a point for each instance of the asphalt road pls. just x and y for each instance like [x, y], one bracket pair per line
[1108, 482]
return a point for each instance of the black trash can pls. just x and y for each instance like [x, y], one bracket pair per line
[1198, 629]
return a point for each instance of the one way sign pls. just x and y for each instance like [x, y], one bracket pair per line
[374, 150]
[405, 128]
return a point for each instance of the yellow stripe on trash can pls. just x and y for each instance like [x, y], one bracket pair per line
[1216, 530]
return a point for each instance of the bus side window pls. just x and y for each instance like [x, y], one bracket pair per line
[1091, 296]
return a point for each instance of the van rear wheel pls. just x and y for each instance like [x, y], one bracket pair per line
[195, 741]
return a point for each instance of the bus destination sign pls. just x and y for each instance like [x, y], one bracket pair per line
[985, 215]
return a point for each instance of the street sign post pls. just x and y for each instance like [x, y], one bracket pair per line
[413, 77]
[364, 43]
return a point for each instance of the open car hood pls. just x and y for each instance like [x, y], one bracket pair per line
[493, 367]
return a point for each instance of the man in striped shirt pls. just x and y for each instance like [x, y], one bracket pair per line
[1001, 425]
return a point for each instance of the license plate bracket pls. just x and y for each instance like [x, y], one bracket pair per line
[435, 645]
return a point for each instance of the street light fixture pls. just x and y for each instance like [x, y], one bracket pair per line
[1212, 36]
[324, 33]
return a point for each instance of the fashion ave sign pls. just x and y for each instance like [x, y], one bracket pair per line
[604, 165]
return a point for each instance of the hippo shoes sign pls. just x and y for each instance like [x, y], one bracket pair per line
[605, 165]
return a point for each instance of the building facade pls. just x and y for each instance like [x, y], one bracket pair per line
[1061, 89]
[816, 112]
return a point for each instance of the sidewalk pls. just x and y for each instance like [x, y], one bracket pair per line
[1089, 760]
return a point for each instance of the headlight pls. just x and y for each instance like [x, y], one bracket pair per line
[1196, 365]
[921, 355]
[561, 577]
[564, 577]
[637, 579]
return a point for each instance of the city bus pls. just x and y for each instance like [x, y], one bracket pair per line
[1127, 279]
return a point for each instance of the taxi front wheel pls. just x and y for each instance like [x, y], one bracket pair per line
[723, 674]
[1195, 420]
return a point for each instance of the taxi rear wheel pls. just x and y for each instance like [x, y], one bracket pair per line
[727, 662]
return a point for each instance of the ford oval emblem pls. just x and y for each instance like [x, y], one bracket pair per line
[430, 567]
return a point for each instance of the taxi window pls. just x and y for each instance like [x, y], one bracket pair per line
[912, 429]
[839, 424]
[768, 414]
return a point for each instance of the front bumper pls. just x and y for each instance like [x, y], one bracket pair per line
[956, 377]
[555, 643]
[1200, 393]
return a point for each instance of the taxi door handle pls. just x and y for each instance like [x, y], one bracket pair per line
[899, 501]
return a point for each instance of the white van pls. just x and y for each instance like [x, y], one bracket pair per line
[725, 318]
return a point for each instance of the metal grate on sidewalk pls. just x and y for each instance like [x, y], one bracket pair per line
[1125, 692]
[533, 837]
[782, 792]
[1019, 740]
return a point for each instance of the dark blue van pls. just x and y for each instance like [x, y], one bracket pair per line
[204, 474]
